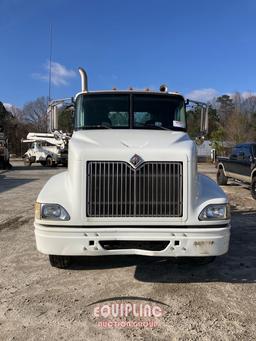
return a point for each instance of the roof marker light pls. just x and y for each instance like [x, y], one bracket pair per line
[163, 88]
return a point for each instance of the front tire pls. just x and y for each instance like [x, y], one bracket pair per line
[222, 180]
[49, 161]
[61, 262]
[253, 188]
[27, 161]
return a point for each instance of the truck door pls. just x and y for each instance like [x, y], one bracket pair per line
[245, 160]
[32, 149]
[232, 165]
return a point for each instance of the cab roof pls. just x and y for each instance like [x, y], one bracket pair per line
[131, 91]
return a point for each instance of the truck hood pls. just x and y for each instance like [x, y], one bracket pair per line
[129, 138]
[120, 144]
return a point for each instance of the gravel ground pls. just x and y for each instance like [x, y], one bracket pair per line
[200, 302]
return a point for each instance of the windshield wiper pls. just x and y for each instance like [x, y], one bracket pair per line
[146, 126]
[162, 127]
[97, 126]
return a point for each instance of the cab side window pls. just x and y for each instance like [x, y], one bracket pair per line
[246, 152]
[235, 153]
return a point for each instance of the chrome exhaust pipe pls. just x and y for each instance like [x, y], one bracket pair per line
[84, 79]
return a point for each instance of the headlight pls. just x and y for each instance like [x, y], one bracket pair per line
[215, 212]
[51, 212]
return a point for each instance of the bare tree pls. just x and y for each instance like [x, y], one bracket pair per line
[238, 128]
[16, 112]
[249, 105]
[35, 112]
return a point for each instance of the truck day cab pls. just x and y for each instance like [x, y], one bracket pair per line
[132, 185]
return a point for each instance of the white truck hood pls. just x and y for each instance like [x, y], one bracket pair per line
[120, 144]
[129, 138]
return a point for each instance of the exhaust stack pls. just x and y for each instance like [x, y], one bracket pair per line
[84, 79]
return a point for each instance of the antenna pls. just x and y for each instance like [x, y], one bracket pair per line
[50, 66]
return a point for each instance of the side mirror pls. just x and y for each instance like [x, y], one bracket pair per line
[53, 110]
[204, 119]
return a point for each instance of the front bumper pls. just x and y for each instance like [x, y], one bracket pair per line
[85, 241]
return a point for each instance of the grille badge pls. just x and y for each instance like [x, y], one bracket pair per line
[136, 160]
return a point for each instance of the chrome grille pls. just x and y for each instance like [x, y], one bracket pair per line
[116, 189]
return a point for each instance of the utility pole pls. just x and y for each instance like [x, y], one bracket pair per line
[50, 66]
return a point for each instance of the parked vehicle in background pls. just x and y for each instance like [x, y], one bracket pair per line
[4, 153]
[132, 185]
[49, 149]
[240, 165]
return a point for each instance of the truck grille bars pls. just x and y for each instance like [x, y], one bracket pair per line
[116, 189]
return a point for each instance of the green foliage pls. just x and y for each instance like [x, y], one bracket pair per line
[193, 122]
[66, 121]
[5, 117]
[226, 106]
[217, 137]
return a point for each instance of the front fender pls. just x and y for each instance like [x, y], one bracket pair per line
[58, 190]
[208, 192]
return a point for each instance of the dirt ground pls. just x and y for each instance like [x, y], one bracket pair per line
[200, 302]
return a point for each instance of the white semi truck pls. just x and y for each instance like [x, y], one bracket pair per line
[132, 185]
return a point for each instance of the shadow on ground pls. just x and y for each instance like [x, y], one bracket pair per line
[9, 183]
[238, 266]
[35, 167]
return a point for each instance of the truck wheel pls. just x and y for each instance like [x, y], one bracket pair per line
[49, 161]
[43, 163]
[27, 162]
[221, 178]
[61, 262]
[253, 188]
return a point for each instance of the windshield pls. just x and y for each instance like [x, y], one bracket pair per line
[124, 111]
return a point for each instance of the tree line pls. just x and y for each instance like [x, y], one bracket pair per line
[232, 120]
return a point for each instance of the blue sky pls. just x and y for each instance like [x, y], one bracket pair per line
[201, 48]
